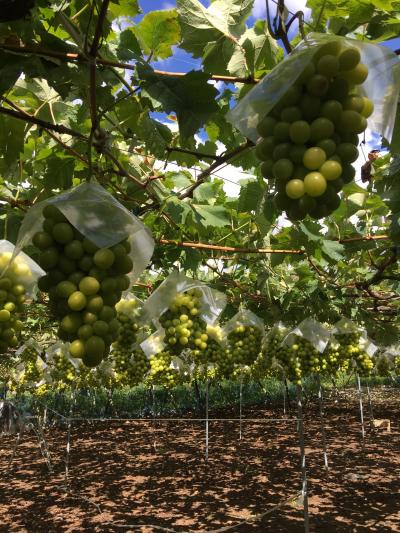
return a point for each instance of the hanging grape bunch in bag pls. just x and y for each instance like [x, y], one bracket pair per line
[130, 362]
[309, 140]
[184, 328]
[87, 256]
[18, 275]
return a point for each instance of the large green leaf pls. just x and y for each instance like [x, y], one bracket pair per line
[157, 32]
[191, 97]
[251, 194]
[124, 8]
[128, 46]
[156, 136]
[214, 33]
[260, 48]
[211, 215]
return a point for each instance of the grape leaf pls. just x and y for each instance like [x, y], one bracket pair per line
[251, 193]
[124, 8]
[211, 215]
[128, 46]
[213, 33]
[191, 97]
[157, 32]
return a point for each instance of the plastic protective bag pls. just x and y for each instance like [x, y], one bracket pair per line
[61, 349]
[367, 346]
[346, 326]
[311, 330]
[99, 217]
[212, 305]
[19, 267]
[382, 85]
[243, 317]
[154, 344]
[278, 330]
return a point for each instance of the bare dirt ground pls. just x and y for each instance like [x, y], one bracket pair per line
[132, 476]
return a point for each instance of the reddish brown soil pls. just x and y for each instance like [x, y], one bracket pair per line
[132, 474]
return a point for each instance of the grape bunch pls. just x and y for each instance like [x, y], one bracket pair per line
[128, 312]
[309, 140]
[210, 356]
[161, 371]
[351, 353]
[214, 351]
[31, 365]
[300, 359]
[14, 281]
[245, 344]
[83, 283]
[130, 366]
[264, 364]
[184, 328]
[226, 364]
[62, 371]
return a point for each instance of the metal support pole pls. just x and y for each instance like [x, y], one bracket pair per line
[361, 411]
[240, 406]
[68, 450]
[206, 454]
[322, 420]
[371, 412]
[299, 391]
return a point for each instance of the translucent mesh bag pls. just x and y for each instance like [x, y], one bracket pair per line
[98, 216]
[19, 267]
[382, 85]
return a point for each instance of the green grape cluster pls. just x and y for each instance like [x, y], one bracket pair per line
[226, 364]
[83, 283]
[264, 364]
[183, 326]
[350, 352]
[211, 355]
[245, 344]
[130, 366]
[300, 359]
[14, 281]
[336, 357]
[128, 313]
[161, 372]
[309, 140]
[62, 371]
[32, 369]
